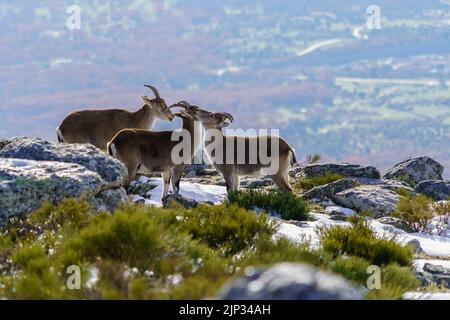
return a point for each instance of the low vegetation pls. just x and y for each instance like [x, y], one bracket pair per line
[306, 184]
[288, 205]
[420, 211]
[313, 158]
[359, 240]
[153, 253]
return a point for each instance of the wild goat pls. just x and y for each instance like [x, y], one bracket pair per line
[235, 156]
[97, 127]
[148, 152]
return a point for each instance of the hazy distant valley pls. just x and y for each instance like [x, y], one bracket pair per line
[311, 69]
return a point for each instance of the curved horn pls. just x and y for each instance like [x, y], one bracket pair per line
[155, 91]
[227, 115]
[182, 103]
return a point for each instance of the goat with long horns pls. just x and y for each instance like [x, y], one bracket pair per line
[97, 127]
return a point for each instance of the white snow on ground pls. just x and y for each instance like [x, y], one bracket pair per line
[344, 211]
[20, 163]
[307, 230]
[432, 245]
[189, 190]
[426, 296]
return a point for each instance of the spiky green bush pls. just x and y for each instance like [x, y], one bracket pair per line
[153, 253]
[419, 211]
[360, 241]
[305, 184]
[238, 229]
[288, 205]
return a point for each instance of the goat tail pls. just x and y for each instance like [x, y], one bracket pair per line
[293, 158]
[59, 135]
[111, 149]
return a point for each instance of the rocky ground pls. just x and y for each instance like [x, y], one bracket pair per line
[33, 171]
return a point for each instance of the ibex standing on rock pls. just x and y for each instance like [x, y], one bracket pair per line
[236, 156]
[153, 151]
[97, 127]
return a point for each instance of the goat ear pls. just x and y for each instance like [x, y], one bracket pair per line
[147, 101]
[177, 114]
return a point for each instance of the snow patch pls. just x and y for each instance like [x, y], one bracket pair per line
[20, 163]
[190, 190]
[426, 296]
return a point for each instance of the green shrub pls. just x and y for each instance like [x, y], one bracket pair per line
[353, 268]
[153, 253]
[402, 192]
[134, 239]
[442, 212]
[229, 229]
[313, 158]
[268, 251]
[306, 184]
[71, 212]
[395, 281]
[416, 212]
[406, 178]
[286, 204]
[361, 241]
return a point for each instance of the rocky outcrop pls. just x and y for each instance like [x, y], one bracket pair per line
[26, 184]
[415, 170]
[327, 191]
[256, 183]
[392, 185]
[396, 222]
[290, 281]
[434, 274]
[33, 171]
[438, 190]
[3, 143]
[110, 170]
[200, 170]
[110, 199]
[374, 199]
[342, 169]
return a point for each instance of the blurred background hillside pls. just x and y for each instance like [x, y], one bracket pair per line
[310, 68]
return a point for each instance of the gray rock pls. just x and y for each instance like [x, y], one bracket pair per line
[327, 191]
[415, 170]
[416, 246]
[375, 199]
[112, 171]
[3, 143]
[436, 269]
[199, 170]
[434, 274]
[396, 222]
[256, 183]
[185, 202]
[339, 211]
[343, 169]
[392, 185]
[438, 190]
[290, 281]
[26, 184]
[109, 200]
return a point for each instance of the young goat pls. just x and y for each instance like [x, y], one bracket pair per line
[97, 127]
[153, 151]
